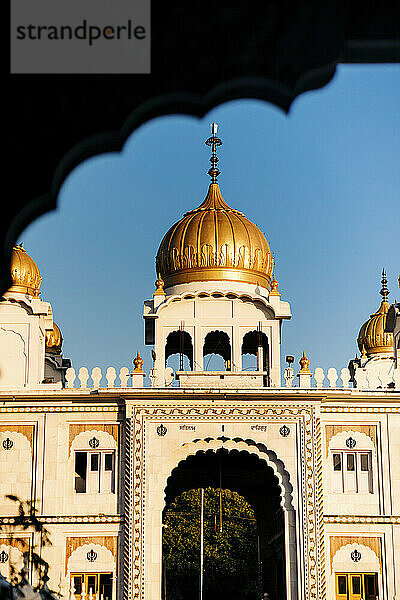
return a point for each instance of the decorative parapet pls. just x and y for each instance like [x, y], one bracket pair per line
[365, 380]
[108, 379]
[97, 377]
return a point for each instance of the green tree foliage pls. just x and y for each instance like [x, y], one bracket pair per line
[230, 556]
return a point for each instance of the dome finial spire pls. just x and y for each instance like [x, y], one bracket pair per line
[384, 291]
[214, 141]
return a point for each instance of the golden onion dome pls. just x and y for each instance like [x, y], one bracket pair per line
[372, 338]
[54, 340]
[214, 242]
[24, 272]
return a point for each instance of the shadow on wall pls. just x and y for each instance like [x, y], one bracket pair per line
[17, 584]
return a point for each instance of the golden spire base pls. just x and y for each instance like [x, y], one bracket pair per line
[159, 286]
[273, 288]
[138, 364]
[304, 364]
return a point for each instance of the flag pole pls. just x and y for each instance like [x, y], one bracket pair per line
[201, 543]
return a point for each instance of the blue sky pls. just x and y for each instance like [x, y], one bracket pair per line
[322, 183]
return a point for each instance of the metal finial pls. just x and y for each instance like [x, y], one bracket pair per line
[214, 141]
[384, 291]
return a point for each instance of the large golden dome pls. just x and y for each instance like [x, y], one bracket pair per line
[214, 242]
[372, 337]
[24, 272]
[54, 340]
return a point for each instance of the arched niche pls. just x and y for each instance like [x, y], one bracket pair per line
[180, 343]
[91, 558]
[255, 343]
[217, 343]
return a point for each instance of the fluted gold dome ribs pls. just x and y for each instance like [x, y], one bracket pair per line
[24, 272]
[214, 242]
[54, 340]
[372, 338]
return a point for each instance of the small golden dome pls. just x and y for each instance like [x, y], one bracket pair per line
[372, 338]
[24, 272]
[54, 340]
[214, 242]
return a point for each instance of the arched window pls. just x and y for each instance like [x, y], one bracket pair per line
[255, 352]
[217, 351]
[179, 345]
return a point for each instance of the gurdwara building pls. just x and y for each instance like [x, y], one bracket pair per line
[100, 455]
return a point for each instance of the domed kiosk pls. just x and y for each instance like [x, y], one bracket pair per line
[30, 341]
[376, 346]
[215, 295]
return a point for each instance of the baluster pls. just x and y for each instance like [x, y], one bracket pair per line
[332, 377]
[96, 377]
[83, 593]
[319, 377]
[345, 377]
[70, 377]
[111, 376]
[83, 376]
[123, 376]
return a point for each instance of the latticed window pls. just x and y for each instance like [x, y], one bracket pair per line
[94, 472]
[99, 585]
[352, 471]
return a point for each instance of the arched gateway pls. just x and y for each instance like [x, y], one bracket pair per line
[254, 472]
[267, 456]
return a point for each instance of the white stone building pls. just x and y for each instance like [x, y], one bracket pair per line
[98, 454]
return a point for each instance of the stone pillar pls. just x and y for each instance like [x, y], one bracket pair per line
[138, 375]
[304, 374]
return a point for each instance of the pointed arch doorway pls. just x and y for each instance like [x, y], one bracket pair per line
[257, 485]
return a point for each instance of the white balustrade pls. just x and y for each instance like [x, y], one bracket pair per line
[364, 379]
[93, 381]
